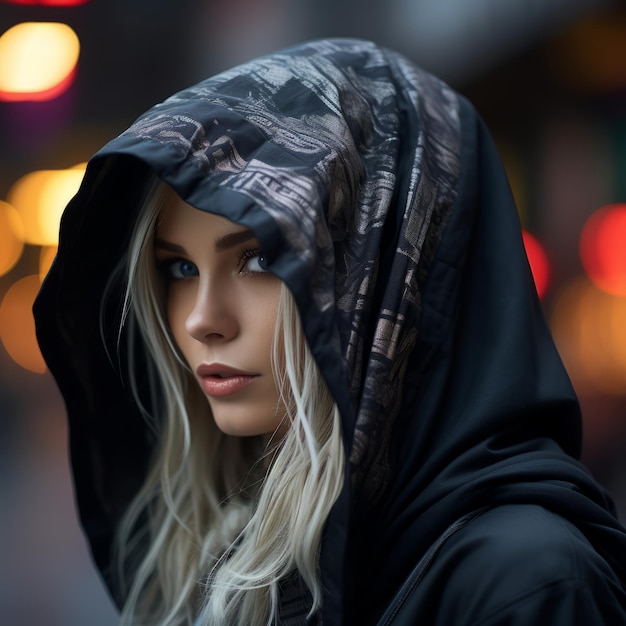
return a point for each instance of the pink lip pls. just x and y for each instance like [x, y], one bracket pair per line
[221, 380]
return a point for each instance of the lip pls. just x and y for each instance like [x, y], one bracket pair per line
[218, 380]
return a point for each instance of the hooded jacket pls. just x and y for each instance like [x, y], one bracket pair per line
[377, 196]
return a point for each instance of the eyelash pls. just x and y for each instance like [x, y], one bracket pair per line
[248, 254]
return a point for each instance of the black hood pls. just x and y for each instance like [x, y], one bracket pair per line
[379, 198]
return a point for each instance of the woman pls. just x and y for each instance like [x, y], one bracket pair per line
[306, 371]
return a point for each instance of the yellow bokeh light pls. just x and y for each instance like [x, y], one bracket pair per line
[11, 237]
[40, 198]
[36, 57]
[17, 325]
[589, 327]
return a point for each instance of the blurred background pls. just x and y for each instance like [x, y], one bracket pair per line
[548, 76]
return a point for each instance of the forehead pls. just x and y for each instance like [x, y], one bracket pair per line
[177, 217]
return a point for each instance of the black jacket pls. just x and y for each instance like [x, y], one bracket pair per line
[377, 194]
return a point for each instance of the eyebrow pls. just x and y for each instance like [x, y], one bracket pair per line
[222, 243]
[233, 239]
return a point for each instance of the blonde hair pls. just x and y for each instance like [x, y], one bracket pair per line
[220, 521]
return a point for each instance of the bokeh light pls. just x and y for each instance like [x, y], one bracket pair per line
[11, 237]
[539, 262]
[37, 60]
[46, 256]
[590, 54]
[17, 325]
[589, 328]
[602, 248]
[40, 197]
[49, 3]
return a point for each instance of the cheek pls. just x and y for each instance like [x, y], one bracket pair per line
[176, 311]
[262, 314]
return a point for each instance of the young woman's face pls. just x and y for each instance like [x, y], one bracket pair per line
[221, 307]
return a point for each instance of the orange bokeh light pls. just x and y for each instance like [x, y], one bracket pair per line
[589, 328]
[602, 248]
[40, 197]
[590, 53]
[46, 256]
[40, 96]
[539, 263]
[11, 237]
[17, 325]
[37, 60]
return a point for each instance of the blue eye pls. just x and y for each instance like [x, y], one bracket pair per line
[254, 261]
[178, 269]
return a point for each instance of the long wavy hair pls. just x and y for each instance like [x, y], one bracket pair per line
[220, 521]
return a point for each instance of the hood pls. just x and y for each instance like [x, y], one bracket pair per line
[380, 200]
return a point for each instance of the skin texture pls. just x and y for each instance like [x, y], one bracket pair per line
[221, 307]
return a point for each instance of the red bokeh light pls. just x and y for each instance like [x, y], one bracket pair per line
[603, 248]
[539, 263]
[48, 3]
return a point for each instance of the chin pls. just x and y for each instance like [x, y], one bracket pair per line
[251, 426]
[244, 430]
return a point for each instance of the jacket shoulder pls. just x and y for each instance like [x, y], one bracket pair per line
[518, 565]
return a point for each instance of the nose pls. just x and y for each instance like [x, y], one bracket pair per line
[213, 316]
